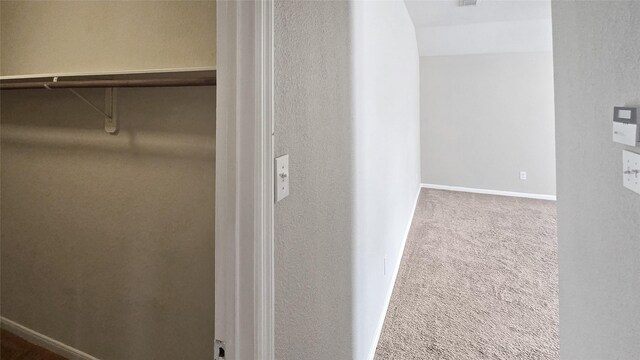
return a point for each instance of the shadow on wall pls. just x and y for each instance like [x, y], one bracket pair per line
[108, 241]
[58, 119]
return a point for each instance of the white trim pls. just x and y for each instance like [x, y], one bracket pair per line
[226, 307]
[372, 351]
[264, 311]
[244, 194]
[489, 192]
[44, 341]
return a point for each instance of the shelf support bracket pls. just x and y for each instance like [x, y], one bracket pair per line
[110, 115]
[110, 102]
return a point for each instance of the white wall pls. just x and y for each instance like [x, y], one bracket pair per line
[444, 27]
[486, 37]
[597, 67]
[485, 118]
[386, 146]
[314, 225]
[347, 113]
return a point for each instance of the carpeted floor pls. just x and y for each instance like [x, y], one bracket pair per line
[478, 280]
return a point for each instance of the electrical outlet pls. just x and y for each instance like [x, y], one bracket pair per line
[631, 170]
[523, 175]
[384, 271]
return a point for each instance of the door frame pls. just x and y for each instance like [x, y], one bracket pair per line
[244, 278]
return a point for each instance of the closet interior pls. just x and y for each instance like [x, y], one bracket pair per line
[107, 166]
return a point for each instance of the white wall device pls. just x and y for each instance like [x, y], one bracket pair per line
[282, 177]
[631, 170]
[626, 129]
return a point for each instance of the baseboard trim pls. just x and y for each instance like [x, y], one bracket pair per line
[489, 192]
[44, 341]
[372, 352]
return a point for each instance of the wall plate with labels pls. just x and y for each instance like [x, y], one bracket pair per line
[631, 170]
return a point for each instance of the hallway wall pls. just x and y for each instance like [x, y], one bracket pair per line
[347, 113]
[314, 225]
[597, 67]
[386, 144]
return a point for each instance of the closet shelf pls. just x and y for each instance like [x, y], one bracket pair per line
[110, 82]
[199, 78]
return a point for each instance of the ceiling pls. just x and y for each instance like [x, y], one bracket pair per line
[492, 26]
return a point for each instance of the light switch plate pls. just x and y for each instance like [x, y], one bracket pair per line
[625, 133]
[631, 170]
[282, 177]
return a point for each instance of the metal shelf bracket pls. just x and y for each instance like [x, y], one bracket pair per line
[110, 118]
[110, 103]
[110, 113]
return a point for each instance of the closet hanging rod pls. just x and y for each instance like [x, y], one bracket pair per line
[107, 83]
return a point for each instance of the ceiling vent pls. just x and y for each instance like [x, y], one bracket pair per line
[468, 2]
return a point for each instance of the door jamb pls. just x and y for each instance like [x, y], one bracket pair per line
[244, 279]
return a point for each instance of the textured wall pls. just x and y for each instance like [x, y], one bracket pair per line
[44, 37]
[107, 241]
[597, 67]
[313, 226]
[347, 113]
[487, 117]
[387, 156]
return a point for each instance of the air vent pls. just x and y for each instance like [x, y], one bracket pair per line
[468, 2]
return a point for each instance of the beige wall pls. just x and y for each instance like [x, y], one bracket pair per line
[56, 37]
[485, 118]
[108, 241]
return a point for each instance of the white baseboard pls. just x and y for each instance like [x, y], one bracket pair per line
[490, 192]
[44, 341]
[378, 332]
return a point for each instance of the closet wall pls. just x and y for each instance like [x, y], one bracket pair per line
[44, 37]
[108, 241]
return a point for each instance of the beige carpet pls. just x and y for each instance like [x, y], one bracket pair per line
[478, 280]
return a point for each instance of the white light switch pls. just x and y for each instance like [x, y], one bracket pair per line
[282, 177]
[631, 170]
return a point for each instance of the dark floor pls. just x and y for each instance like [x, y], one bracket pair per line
[13, 347]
